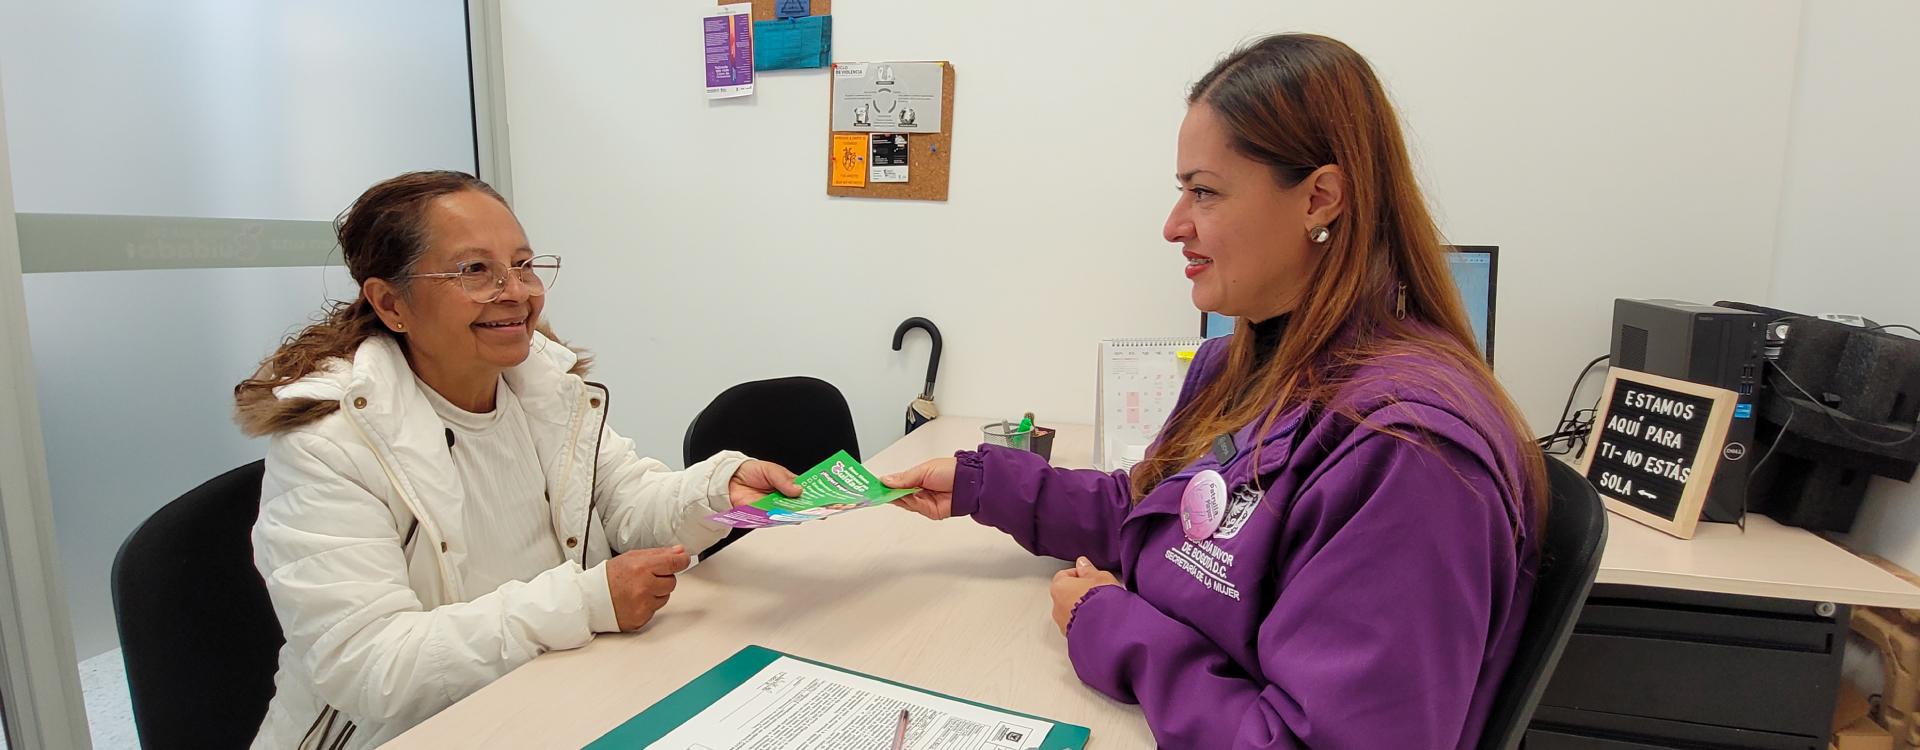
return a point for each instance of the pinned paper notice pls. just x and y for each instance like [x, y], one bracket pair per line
[889, 157]
[729, 51]
[793, 8]
[849, 160]
[888, 97]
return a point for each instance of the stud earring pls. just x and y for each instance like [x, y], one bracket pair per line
[1319, 235]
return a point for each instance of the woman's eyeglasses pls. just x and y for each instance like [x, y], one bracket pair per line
[484, 280]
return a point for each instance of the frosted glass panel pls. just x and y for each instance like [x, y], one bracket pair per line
[135, 374]
[229, 108]
[215, 138]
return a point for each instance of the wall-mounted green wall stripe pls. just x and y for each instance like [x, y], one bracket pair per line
[94, 242]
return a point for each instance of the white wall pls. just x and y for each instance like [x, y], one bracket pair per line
[1849, 235]
[1635, 144]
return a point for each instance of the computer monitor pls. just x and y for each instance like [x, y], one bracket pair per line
[1476, 269]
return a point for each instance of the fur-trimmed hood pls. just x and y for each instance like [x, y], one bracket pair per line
[378, 360]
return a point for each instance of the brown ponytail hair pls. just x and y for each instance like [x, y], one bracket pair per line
[382, 236]
[1296, 102]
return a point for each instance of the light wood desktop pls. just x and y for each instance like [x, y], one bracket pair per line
[957, 608]
[1766, 559]
[951, 606]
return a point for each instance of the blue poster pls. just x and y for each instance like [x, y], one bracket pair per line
[795, 43]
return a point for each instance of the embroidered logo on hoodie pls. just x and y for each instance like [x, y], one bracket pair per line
[1205, 560]
[1239, 509]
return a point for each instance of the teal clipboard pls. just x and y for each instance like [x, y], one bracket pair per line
[650, 725]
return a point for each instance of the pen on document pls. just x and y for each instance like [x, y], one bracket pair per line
[900, 732]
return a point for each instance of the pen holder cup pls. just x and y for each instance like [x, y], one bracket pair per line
[1006, 435]
[1041, 442]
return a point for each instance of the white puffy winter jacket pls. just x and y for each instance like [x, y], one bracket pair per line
[360, 542]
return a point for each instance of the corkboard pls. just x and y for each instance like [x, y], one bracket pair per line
[929, 156]
[764, 10]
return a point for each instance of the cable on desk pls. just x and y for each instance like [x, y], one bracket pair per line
[1571, 428]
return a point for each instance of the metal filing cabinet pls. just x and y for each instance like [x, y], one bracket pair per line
[1670, 669]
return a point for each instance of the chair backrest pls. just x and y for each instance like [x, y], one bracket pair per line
[196, 628]
[1576, 531]
[795, 422]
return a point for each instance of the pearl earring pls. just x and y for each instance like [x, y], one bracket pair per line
[1319, 235]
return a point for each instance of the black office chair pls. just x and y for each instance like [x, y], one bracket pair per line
[1576, 531]
[795, 422]
[196, 628]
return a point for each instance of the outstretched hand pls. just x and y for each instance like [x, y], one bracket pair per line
[934, 479]
[754, 479]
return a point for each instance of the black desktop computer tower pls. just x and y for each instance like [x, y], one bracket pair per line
[1706, 344]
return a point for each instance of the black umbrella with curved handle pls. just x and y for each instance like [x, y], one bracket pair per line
[922, 410]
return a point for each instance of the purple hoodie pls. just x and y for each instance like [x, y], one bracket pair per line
[1370, 597]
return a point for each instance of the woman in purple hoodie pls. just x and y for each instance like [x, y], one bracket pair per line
[1331, 543]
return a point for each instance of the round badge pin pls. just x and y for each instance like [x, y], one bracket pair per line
[1204, 505]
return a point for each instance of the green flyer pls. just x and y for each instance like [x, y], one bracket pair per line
[839, 484]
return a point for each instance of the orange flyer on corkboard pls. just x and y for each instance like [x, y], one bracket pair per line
[849, 160]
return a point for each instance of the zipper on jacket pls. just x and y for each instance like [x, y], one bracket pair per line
[593, 481]
[574, 420]
[406, 547]
[400, 489]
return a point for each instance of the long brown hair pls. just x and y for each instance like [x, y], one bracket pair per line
[1297, 102]
[382, 236]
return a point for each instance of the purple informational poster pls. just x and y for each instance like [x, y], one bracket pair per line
[729, 45]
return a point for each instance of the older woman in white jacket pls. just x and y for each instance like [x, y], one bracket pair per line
[443, 498]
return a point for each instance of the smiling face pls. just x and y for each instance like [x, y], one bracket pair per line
[1243, 233]
[448, 333]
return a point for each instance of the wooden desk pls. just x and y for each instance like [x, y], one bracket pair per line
[1767, 559]
[958, 608]
[949, 606]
